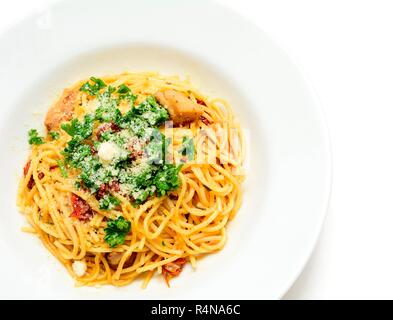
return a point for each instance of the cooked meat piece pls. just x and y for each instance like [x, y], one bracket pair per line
[181, 109]
[62, 110]
[114, 258]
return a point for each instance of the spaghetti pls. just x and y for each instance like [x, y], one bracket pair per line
[102, 229]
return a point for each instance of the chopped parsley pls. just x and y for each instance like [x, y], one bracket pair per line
[167, 179]
[150, 111]
[79, 129]
[125, 93]
[156, 148]
[108, 111]
[34, 138]
[54, 135]
[188, 148]
[116, 231]
[76, 155]
[93, 86]
[116, 152]
[137, 153]
[107, 135]
[109, 202]
[123, 89]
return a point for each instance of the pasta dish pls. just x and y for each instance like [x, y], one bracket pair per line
[136, 174]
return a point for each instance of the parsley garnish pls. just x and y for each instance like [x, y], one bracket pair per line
[34, 138]
[157, 147]
[54, 135]
[188, 148]
[108, 111]
[123, 89]
[108, 202]
[167, 179]
[106, 136]
[151, 111]
[93, 86]
[140, 123]
[125, 93]
[116, 231]
[80, 129]
[109, 92]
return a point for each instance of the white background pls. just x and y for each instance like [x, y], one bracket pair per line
[345, 48]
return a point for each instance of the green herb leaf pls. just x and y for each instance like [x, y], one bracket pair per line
[108, 111]
[77, 154]
[155, 149]
[188, 148]
[54, 135]
[123, 89]
[167, 179]
[109, 91]
[34, 138]
[106, 136]
[125, 93]
[109, 202]
[116, 231]
[152, 178]
[82, 129]
[151, 111]
[138, 126]
[71, 127]
[93, 86]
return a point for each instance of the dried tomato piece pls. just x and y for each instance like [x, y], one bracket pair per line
[201, 102]
[102, 191]
[80, 209]
[136, 149]
[173, 196]
[173, 269]
[114, 186]
[93, 150]
[135, 154]
[31, 183]
[204, 120]
[106, 188]
[26, 167]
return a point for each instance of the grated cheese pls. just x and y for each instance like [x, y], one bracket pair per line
[79, 268]
[91, 106]
[107, 151]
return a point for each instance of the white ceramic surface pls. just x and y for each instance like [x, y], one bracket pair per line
[288, 168]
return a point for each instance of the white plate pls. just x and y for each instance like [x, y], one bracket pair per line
[287, 187]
